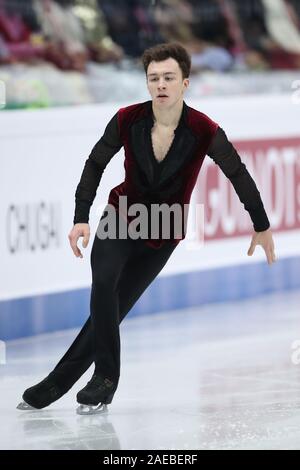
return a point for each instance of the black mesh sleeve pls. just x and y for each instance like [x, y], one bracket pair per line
[100, 156]
[226, 157]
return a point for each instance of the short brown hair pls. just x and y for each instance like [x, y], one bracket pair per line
[164, 51]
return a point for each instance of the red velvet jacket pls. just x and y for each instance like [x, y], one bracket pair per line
[172, 180]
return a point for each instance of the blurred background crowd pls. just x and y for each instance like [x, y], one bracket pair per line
[68, 51]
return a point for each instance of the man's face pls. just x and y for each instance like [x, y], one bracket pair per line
[165, 83]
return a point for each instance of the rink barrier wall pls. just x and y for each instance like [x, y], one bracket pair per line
[35, 315]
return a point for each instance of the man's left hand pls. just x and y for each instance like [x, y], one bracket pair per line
[264, 239]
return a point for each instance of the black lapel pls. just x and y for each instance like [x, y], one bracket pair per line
[140, 147]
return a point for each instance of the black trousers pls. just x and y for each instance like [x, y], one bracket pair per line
[121, 271]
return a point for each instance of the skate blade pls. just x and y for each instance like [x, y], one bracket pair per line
[91, 409]
[24, 406]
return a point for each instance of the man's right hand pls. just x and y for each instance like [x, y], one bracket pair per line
[79, 230]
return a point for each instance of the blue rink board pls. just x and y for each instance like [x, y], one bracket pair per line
[45, 313]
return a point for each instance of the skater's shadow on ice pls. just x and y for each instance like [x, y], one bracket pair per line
[43, 430]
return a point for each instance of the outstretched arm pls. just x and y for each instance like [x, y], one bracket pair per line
[226, 157]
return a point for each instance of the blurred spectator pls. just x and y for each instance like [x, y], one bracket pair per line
[131, 24]
[215, 48]
[64, 34]
[176, 19]
[101, 47]
[19, 32]
[122, 25]
[149, 33]
[59, 31]
[209, 23]
[4, 52]
[294, 9]
[282, 25]
[269, 33]
[251, 16]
